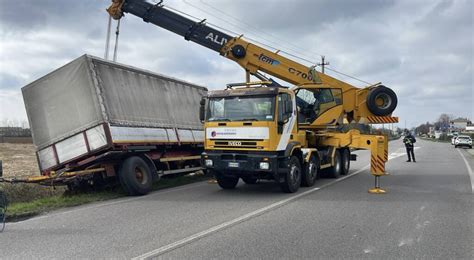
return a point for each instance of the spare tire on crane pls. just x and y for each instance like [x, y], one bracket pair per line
[381, 101]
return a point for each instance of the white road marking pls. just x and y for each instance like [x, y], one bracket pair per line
[258, 212]
[469, 170]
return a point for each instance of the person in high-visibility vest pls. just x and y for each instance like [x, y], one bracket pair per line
[409, 142]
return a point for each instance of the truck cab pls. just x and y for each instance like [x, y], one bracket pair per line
[250, 133]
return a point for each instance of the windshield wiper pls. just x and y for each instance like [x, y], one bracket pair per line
[249, 119]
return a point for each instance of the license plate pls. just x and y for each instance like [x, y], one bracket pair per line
[234, 164]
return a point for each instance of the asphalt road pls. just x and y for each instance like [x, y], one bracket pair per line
[428, 212]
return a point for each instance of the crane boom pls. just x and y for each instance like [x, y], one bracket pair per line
[260, 59]
[254, 58]
[265, 133]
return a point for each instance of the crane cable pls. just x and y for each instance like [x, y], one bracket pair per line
[107, 40]
[306, 59]
[260, 31]
[117, 32]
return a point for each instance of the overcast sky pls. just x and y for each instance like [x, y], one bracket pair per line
[421, 49]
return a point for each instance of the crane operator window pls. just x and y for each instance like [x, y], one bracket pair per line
[243, 108]
[313, 102]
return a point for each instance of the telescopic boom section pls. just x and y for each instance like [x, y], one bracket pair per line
[156, 14]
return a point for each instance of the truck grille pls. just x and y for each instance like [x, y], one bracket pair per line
[236, 143]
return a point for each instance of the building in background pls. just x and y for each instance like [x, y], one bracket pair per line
[470, 128]
[459, 124]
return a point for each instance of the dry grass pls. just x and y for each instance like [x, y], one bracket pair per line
[18, 160]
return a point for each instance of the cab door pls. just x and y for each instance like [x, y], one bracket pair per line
[286, 121]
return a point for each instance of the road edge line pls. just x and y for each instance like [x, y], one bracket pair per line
[469, 170]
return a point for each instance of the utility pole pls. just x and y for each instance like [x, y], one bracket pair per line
[322, 64]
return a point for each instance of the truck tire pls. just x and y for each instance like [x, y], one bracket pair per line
[293, 176]
[226, 182]
[381, 101]
[335, 171]
[249, 180]
[311, 171]
[135, 176]
[346, 161]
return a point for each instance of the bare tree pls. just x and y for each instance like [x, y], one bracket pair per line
[443, 122]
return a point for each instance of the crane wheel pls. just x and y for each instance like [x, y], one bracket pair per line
[310, 172]
[381, 101]
[346, 161]
[292, 177]
[336, 170]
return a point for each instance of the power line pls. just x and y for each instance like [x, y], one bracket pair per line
[349, 76]
[253, 40]
[261, 31]
[258, 35]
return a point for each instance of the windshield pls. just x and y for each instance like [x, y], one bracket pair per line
[246, 108]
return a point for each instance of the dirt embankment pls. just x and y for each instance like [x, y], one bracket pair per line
[18, 160]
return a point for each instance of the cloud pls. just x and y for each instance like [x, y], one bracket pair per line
[421, 49]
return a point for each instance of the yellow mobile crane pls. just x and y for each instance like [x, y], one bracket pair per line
[261, 130]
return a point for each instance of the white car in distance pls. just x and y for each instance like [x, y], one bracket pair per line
[463, 140]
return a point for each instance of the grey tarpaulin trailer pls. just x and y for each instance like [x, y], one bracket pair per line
[106, 118]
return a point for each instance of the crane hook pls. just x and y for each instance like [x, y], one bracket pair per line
[115, 9]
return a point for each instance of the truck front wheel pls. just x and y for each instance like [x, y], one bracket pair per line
[293, 176]
[135, 176]
[226, 182]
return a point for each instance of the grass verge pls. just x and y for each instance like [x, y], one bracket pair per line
[26, 209]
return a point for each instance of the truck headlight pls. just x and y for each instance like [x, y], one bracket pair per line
[208, 162]
[264, 165]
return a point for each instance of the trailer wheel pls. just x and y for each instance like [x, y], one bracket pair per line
[135, 176]
[335, 171]
[346, 161]
[293, 176]
[249, 180]
[226, 182]
[311, 172]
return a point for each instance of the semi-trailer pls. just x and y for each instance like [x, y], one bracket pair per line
[94, 121]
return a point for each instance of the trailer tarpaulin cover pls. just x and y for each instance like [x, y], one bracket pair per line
[89, 91]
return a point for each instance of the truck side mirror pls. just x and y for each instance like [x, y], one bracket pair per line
[202, 110]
